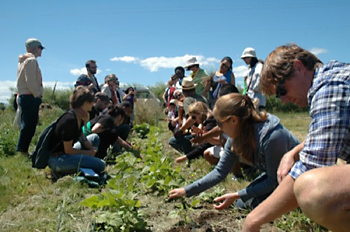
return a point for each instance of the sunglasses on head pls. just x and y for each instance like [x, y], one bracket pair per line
[280, 90]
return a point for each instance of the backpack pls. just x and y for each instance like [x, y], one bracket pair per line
[41, 155]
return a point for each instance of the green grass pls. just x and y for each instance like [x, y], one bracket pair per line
[31, 202]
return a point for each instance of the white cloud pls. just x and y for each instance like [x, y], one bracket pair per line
[78, 72]
[240, 71]
[155, 63]
[317, 51]
[6, 86]
[127, 59]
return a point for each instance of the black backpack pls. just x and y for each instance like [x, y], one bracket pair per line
[41, 155]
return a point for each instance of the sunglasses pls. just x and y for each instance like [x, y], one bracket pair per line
[225, 66]
[41, 47]
[280, 90]
[219, 124]
[193, 117]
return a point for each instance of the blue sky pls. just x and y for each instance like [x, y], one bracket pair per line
[142, 41]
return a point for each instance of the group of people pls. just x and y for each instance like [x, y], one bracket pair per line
[311, 174]
[99, 118]
[209, 118]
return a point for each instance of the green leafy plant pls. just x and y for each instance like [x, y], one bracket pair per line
[142, 130]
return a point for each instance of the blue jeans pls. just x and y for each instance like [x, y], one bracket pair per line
[29, 119]
[67, 164]
[182, 143]
[254, 201]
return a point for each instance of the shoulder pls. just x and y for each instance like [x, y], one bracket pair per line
[82, 76]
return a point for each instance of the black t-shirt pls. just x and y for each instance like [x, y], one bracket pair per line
[210, 123]
[105, 120]
[67, 129]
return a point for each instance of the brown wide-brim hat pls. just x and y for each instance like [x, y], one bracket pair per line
[188, 84]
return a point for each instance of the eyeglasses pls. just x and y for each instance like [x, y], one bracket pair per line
[219, 123]
[280, 90]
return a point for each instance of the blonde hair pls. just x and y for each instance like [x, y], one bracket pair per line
[239, 105]
[279, 65]
[200, 108]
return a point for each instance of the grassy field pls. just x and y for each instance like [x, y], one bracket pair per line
[31, 202]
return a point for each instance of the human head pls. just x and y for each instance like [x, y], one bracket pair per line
[101, 101]
[34, 46]
[91, 66]
[127, 107]
[80, 95]
[227, 89]
[249, 56]
[179, 72]
[129, 89]
[111, 78]
[118, 114]
[226, 64]
[192, 64]
[279, 66]
[199, 111]
[236, 115]
[174, 78]
[188, 85]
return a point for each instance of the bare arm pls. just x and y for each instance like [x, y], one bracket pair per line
[281, 201]
[97, 128]
[216, 131]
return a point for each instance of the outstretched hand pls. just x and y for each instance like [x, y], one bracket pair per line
[178, 192]
[181, 159]
[226, 199]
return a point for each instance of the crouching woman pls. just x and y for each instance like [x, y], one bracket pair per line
[257, 139]
[71, 149]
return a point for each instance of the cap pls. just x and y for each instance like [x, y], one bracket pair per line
[32, 43]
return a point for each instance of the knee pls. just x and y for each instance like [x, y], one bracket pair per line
[310, 195]
[172, 141]
[206, 155]
[94, 139]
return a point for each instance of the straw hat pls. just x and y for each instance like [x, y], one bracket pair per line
[188, 84]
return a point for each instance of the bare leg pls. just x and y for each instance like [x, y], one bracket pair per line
[209, 157]
[324, 195]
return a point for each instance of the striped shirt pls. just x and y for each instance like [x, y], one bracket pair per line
[329, 102]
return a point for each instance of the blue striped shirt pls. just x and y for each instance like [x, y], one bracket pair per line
[329, 102]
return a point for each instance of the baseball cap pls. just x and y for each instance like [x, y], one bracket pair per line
[32, 42]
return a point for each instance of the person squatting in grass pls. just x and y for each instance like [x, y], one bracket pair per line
[71, 149]
[255, 138]
[296, 75]
[105, 126]
[201, 115]
[213, 154]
